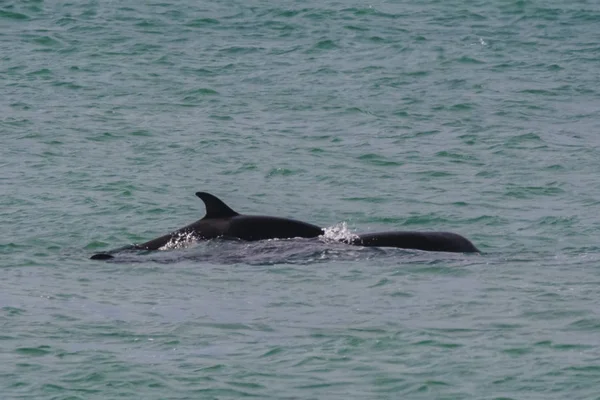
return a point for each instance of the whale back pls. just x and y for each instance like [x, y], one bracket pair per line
[428, 241]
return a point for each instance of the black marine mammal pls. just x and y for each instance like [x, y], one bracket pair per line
[427, 241]
[221, 221]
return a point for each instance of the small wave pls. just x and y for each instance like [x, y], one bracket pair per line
[181, 241]
[339, 232]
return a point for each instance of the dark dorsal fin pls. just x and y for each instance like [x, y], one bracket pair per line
[215, 208]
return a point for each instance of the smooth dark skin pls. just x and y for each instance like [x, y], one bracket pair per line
[427, 241]
[221, 221]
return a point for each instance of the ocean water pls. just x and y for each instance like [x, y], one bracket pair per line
[481, 118]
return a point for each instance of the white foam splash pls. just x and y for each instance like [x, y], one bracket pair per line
[181, 241]
[482, 42]
[339, 232]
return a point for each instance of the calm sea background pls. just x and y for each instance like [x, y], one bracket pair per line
[478, 117]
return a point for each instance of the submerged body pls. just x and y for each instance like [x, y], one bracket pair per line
[221, 221]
